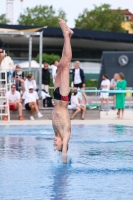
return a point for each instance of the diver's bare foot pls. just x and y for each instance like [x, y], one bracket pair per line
[71, 118]
[65, 29]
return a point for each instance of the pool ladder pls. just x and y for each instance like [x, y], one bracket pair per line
[3, 90]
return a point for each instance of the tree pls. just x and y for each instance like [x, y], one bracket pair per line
[101, 18]
[3, 19]
[41, 16]
[49, 58]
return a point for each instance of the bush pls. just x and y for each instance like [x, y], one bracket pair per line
[91, 83]
[49, 58]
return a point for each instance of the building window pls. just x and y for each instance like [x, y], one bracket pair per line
[127, 18]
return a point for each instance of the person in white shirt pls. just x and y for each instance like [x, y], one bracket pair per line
[54, 70]
[30, 81]
[113, 84]
[77, 104]
[105, 85]
[30, 99]
[13, 98]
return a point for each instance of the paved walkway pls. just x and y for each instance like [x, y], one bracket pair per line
[105, 119]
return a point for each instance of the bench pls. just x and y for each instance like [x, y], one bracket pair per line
[47, 114]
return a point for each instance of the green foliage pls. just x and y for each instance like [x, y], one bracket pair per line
[101, 18]
[3, 19]
[41, 16]
[49, 58]
[91, 83]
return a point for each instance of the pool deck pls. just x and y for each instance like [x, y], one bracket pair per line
[111, 118]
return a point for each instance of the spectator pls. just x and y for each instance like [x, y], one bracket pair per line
[2, 53]
[30, 99]
[120, 97]
[45, 77]
[77, 105]
[78, 78]
[113, 84]
[30, 81]
[105, 85]
[54, 69]
[6, 63]
[18, 76]
[13, 97]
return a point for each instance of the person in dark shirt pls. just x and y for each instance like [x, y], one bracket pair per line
[45, 77]
[18, 76]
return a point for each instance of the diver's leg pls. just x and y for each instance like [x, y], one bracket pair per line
[63, 69]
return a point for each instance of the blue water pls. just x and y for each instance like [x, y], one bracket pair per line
[101, 165]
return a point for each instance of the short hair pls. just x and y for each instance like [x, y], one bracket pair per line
[77, 62]
[13, 85]
[75, 93]
[105, 75]
[55, 61]
[121, 75]
[29, 76]
[17, 66]
[45, 63]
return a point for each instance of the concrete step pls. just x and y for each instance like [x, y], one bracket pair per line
[47, 114]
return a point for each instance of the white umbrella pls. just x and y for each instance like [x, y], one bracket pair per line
[25, 64]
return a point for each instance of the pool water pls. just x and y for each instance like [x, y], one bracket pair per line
[101, 165]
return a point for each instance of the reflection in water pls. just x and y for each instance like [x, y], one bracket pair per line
[60, 177]
[120, 130]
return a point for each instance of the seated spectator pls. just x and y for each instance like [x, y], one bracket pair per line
[18, 76]
[77, 105]
[13, 97]
[30, 99]
[30, 81]
[45, 77]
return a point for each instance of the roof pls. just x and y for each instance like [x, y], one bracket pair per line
[55, 32]
[126, 12]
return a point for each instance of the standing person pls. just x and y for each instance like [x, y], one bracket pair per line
[6, 64]
[105, 85]
[2, 56]
[2, 53]
[60, 116]
[30, 99]
[54, 70]
[13, 97]
[113, 84]
[18, 76]
[45, 77]
[78, 78]
[120, 97]
[79, 107]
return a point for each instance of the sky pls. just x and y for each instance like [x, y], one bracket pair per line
[71, 7]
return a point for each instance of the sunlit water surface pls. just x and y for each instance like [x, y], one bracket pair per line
[101, 165]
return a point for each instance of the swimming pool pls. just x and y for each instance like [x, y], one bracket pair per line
[101, 167]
